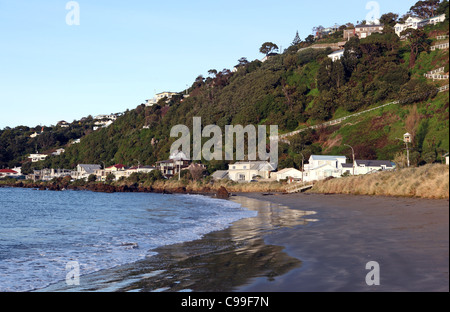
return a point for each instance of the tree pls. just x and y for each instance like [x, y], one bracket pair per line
[212, 72]
[389, 19]
[310, 39]
[296, 40]
[419, 42]
[443, 8]
[268, 47]
[92, 178]
[425, 9]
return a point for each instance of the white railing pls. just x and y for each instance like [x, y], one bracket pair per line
[282, 137]
[440, 46]
[441, 37]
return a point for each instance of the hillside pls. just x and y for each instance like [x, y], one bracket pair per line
[294, 90]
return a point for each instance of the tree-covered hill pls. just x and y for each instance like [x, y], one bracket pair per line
[294, 90]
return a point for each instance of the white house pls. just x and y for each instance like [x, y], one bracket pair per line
[288, 173]
[364, 31]
[84, 171]
[367, 166]
[246, 171]
[321, 167]
[159, 96]
[8, 173]
[37, 157]
[416, 22]
[336, 55]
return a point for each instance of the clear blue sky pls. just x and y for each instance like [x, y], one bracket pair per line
[124, 51]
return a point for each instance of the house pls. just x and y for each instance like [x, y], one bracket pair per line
[159, 96]
[336, 55]
[367, 166]
[63, 124]
[8, 173]
[37, 157]
[288, 173]
[173, 166]
[364, 31]
[246, 171]
[416, 23]
[83, 171]
[49, 174]
[58, 152]
[321, 167]
[265, 58]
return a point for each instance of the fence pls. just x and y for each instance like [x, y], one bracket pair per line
[440, 46]
[283, 137]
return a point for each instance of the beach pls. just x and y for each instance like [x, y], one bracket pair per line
[300, 243]
[409, 238]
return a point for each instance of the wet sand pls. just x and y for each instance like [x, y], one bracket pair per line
[409, 238]
[300, 243]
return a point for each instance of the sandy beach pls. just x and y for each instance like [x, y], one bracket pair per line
[409, 238]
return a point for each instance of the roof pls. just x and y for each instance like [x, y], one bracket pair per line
[327, 157]
[220, 174]
[256, 165]
[90, 168]
[118, 166]
[369, 25]
[8, 171]
[337, 52]
[374, 163]
[287, 170]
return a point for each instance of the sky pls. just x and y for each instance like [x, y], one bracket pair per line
[64, 60]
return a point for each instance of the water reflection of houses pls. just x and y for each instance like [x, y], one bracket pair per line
[270, 216]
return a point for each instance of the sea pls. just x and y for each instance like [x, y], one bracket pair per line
[46, 236]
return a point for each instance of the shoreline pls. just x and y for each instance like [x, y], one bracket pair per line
[220, 261]
[285, 249]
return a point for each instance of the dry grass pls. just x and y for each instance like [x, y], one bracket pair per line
[200, 186]
[430, 181]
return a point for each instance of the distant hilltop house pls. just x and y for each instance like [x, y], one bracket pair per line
[265, 58]
[104, 121]
[363, 31]
[416, 23]
[63, 124]
[160, 96]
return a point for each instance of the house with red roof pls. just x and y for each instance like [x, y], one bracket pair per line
[8, 173]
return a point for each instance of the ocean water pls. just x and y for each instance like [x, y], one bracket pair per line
[42, 231]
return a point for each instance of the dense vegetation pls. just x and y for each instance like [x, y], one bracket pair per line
[292, 90]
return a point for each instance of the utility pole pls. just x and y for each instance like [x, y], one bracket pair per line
[303, 160]
[353, 156]
[407, 139]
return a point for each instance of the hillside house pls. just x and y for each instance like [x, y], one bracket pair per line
[159, 96]
[364, 31]
[416, 23]
[246, 171]
[37, 157]
[336, 55]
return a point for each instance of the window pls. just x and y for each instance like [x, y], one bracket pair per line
[241, 177]
[234, 167]
[245, 167]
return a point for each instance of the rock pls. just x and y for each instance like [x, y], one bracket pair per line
[222, 193]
